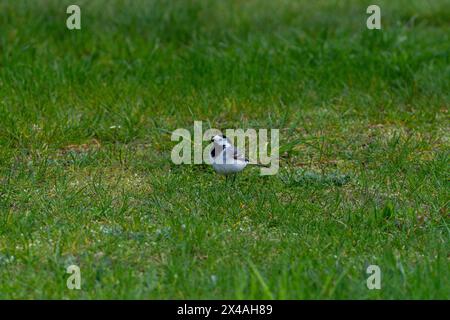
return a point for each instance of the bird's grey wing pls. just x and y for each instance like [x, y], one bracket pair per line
[236, 154]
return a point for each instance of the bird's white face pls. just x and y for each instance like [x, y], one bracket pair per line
[220, 140]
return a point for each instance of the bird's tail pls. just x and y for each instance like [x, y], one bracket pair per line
[260, 165]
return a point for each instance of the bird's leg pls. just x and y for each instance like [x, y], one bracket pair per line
[234, 178]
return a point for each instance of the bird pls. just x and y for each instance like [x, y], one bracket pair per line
[225, 158]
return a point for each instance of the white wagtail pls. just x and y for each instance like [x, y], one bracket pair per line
[225, 158]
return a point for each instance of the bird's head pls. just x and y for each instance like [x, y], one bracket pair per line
[220, 140]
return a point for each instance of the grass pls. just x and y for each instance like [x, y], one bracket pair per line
[85, 170]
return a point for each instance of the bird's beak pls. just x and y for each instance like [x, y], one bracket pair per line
[212, 139]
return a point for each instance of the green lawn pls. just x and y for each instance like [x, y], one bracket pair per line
[86, 176]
